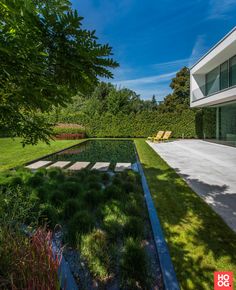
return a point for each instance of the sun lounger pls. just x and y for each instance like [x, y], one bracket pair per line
[166, 136]
[157, 137]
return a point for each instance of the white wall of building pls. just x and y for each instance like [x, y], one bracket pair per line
[221, 52]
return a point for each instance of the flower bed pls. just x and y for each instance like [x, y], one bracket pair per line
[70, 136]
[104, 222]
[26, 253]
[69, 131]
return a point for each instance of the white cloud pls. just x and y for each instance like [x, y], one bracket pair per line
[146, 80]
[220, 9]
[199, 49]
[147, 86]
[178, 63]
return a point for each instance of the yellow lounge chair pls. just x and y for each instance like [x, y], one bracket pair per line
[166, 136]
[157, 137]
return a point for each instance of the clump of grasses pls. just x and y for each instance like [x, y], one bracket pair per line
[71, 207]
[114, 218]
[96, 248]
[48, 215]
[81, 223]
[134, 266]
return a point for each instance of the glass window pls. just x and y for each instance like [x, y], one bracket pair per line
[227, 122]
[232, 71]
[224, 76]
[213, 81]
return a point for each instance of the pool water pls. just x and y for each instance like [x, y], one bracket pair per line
[112, 151]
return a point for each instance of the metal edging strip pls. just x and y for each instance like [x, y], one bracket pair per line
[167, 268]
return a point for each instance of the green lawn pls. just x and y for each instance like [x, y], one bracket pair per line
[13, 154]
[198, 239]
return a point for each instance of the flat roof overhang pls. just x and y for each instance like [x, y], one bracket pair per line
[222, 97]
[222, 51]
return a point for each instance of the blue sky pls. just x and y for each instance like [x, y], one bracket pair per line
[153, 39]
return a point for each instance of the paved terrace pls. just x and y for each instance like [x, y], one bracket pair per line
[210, 170]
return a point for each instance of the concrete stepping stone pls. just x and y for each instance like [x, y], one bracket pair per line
[38, 164]
[122, 166]
[79, 165]
[59, 164]
[101, 166]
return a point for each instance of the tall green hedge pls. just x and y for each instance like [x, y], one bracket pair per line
[135, 125]
[188, 124]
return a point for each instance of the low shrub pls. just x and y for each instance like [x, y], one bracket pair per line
[134, 266]
[48, 215]
[57, 197]
[93, 197]
[113, 192]
[105, 178]
[114, 218]
[134, 227]
[16, 207]
[71, 189]
[71, 207]
[128, 187]
[81, 223]
[95, 186]
[96, 249]
[43, 192]
[35, 181]
[93, 177]
[56, 174]
[134, 205]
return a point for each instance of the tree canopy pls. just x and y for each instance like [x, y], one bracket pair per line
[46, 58]
[178, 100]
[107, 98]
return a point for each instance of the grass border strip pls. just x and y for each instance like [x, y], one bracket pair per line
[168, 273]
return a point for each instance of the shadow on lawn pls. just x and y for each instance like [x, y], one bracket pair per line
[199, 240]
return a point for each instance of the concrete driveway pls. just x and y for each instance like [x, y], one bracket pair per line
[209, 169]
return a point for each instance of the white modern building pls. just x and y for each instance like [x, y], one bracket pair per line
[213, 84]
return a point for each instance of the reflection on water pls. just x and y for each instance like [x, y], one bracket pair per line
[99, 151]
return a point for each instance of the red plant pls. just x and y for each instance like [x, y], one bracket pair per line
[36, 264]
[70, 136]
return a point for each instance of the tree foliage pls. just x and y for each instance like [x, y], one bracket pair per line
[107, 98]
[178, 100]
[46, 58]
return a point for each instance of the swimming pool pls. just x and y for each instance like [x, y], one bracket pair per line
[112, 151]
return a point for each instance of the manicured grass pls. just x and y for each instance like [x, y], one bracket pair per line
[198, 239]
[13, 154]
